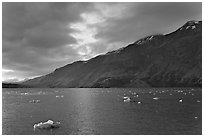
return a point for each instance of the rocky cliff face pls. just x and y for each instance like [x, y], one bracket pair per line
[170, 60]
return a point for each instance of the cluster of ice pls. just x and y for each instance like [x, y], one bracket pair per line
[47, 125]
[126, 99]
[59, 96]
[33, 93]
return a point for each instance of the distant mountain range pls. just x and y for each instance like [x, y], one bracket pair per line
[13, 85]
[170, 60]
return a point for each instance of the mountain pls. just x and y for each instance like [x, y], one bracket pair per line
[170, 60]
[13, 85]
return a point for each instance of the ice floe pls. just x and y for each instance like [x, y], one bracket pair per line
[156, 98]
[126, 99]
[59, 96]
[139, 102]
[47, 125]
[195, 117]
[32, 93]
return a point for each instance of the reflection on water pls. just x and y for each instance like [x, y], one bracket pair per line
[103, 111]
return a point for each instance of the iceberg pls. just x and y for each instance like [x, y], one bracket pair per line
[156, 98]
[126, 99]
[47, 125]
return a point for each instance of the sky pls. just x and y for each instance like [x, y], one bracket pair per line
[37, 38]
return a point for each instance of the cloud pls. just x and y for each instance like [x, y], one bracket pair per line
[36, 36]
[40, 37]
[149, 18]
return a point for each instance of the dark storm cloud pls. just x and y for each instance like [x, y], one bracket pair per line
[35, 20]
[150, 18]
[40, 37]
[36, 35]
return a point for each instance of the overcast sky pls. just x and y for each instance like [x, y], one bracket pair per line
[37, 38]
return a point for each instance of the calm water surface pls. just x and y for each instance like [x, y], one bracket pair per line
[103, 111]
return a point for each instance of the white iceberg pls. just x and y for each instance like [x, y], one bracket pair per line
[180, 100]
[139, 102]
[59, 96]
[47, 125]
[126, 99]
[156, 98]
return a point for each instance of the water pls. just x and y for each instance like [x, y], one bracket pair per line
[103, 111]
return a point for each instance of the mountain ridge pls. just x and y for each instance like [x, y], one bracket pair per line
[169, 60]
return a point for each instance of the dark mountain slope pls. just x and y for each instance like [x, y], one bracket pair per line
[169, 60]
[13, 85]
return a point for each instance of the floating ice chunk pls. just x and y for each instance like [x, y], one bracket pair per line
[195, 117]
[59, 96]
[24, 93]
[156, 98]
[139, 102]
[180, 100]
[198, 101]
[136, 95]
[126, 99]
[170, 94]
[47, 125]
